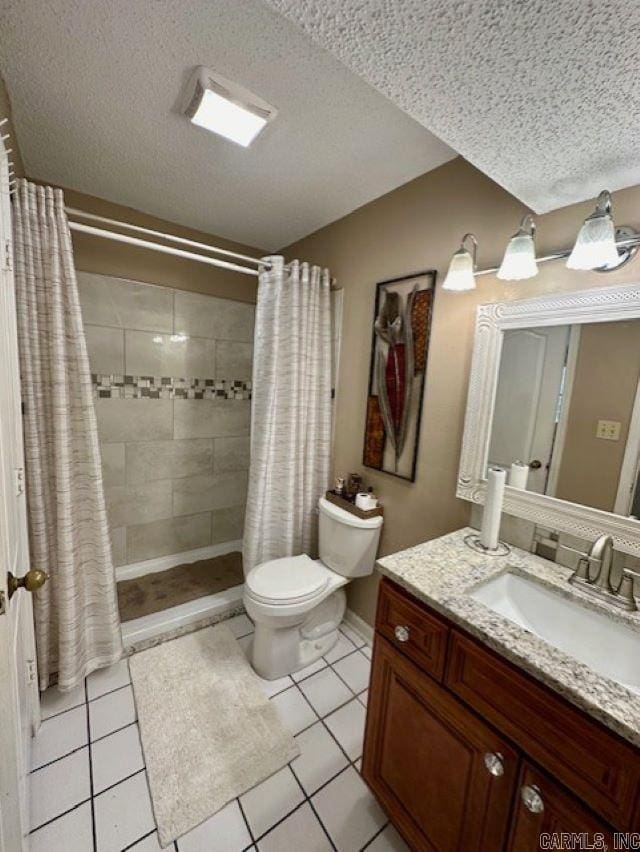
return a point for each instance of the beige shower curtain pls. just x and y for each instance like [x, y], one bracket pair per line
[290, 411]
[76, 611]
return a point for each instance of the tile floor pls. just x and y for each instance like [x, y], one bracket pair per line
[89, 788]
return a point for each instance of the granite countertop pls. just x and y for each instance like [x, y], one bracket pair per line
[442, 572]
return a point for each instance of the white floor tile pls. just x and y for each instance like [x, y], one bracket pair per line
[320, 758]
[273, 687]
[349, 812]
[294, 710]
[358, 765]
[325, 691]
[52, 701]
[150, 843]
[58, 787]
[354, 671]
[347, 726]
[246, 643]
[72, 832]
[301, 830]
[388, 841]
[312, 668]
[112, 711]
[59, 736]
[239, 625]
[367, 650]
[271, 800]
[363, 698]
[342, 647]
[352, 634]
[105, 680]
[225, 831]
[115, 757]
[123, 814]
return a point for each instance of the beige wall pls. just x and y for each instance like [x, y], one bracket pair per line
[604, 388]
[96, 254]
[416, 227]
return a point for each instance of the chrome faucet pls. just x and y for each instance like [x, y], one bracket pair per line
[593, 575]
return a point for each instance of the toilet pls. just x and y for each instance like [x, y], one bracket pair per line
[297, 603]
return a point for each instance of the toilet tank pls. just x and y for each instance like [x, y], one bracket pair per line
[348, 544]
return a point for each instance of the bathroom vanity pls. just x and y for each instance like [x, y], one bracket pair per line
[481, 735]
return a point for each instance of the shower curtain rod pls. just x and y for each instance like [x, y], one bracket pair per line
[188, 255]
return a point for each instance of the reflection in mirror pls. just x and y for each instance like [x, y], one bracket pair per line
[566, 420]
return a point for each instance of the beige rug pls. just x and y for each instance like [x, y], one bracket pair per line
[208, 731]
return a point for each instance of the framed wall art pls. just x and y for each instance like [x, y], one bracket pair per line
[399, 352]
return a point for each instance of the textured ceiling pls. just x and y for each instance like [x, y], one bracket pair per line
[94, 86]
[542, 96]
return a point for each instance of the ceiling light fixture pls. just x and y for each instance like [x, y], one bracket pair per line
[460, 276]
[595, 246]
[225, 108]
[519, 261]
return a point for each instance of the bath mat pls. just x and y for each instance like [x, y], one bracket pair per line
[208, 731]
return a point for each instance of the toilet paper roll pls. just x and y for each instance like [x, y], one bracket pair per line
[366, 501]
[518, 475]
[490, 529]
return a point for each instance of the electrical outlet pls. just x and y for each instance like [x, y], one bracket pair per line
[608, 430]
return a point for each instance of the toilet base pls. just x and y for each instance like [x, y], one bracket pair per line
[280, 651]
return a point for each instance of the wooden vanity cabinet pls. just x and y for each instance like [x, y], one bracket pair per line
[462, 748]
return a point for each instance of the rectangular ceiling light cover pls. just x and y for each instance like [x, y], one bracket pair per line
[225, 108]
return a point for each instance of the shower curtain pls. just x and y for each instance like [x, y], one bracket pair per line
[290, 411]
[76, 611]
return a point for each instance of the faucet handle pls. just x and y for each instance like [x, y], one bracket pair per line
[626, 590]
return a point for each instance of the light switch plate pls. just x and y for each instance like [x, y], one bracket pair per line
[608, 430]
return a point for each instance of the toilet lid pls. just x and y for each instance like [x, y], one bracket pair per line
[291, 579]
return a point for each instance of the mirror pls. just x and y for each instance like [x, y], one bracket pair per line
[566, 401]
[554, 386]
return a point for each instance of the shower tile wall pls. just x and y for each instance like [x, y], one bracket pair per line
[172, 377]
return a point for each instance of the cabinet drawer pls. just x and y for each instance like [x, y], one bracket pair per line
[600, 768]
[420, 635]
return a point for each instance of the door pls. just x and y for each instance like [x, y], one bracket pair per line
[444, 777]
[544, 811]
[19, 703]
[532, 368]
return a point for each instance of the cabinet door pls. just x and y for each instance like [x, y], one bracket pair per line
[543, 811]
[444, 777]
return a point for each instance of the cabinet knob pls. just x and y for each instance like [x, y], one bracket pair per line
[494, 763]
[532, 798]
[401, 633]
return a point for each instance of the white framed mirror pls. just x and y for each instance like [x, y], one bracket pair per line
[554, 399]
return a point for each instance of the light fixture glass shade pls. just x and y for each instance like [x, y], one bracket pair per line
[519, 261]
[228, 119]
[460, 275]
[596, 243]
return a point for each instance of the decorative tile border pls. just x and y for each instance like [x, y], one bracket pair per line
[167, 387]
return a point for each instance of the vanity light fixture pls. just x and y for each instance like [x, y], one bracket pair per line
[225, 108]
[595, 246]
[519, 261]
[461, 274]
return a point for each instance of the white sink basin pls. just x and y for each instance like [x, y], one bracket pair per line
[610, 648]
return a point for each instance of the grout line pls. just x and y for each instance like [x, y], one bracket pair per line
[115, 731]
[307, 800]
[285, 817]
[56, 759]
[109, 692]
[93, 810]
[246, 822]
[60, 815]
[121, 781]
[139, 840]
[62, 712]
[375, 836]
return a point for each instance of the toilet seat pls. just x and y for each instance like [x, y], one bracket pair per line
[289, 580]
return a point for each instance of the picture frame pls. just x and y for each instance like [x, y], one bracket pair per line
[400, 335]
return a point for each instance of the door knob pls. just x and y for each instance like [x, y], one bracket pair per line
[31, 581]
[536, 464]
[532, 798]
